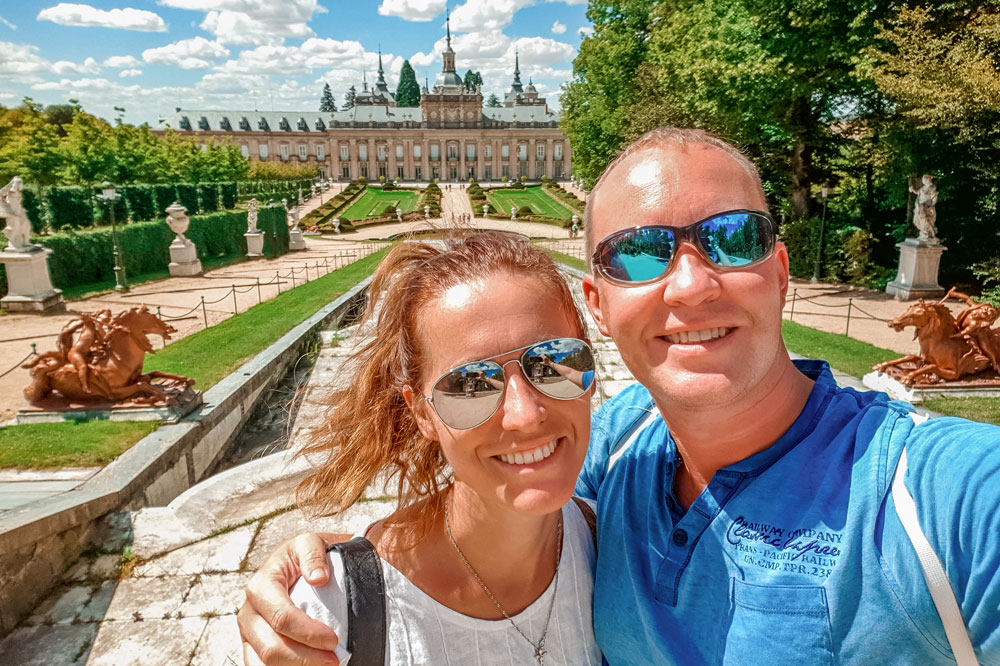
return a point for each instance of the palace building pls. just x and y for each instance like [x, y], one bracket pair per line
[450, 136]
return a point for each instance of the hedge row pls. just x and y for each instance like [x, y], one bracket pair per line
[86, 257]
[78, 207]
[249, 188]
[323, 216]
[564, 196]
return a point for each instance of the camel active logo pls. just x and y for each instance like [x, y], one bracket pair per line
[803, 551]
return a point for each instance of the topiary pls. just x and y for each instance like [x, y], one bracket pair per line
[524, 211]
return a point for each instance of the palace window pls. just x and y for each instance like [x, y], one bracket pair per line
[435, 153]
[382, 173]
[452, 152]
[505, 171]
[262, 150]
[380, 152]
[399, 173]
[284, 151]
[435, 173]
[344, 153]
[505, 151]
[488, 152]
[245, 150]
[470, 151]
[345, 171]
[416, 173]
[522, 152]
[416, 152]
[364, 170]
[363, 153]
[399, 151]
[489, 172]
[557, 151]
[540, 151]
[303, 152]
[321, 152]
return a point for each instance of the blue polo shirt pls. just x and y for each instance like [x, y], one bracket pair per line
[794, 555]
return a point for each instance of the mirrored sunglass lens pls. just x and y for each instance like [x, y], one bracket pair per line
[639, 255]
[469, 394]
[562, 368]
[736, 239]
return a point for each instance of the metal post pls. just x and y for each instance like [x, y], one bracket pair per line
[818, 268]
[204, 312]
[277, 280]
[791, 315]
[236, 308]
[259, 299]
[847, 329]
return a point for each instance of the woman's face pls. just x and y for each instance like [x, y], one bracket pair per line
[478, 320]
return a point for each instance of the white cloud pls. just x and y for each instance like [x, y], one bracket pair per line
[8, 23]
[129, 72]
[412, 10]
[194, 53]
[483, 15]
[66, 13]
[296, 60]
[88, 66]
[558, 28]
[121, 61]
[20, 63]
[254, 22]
[585, 31]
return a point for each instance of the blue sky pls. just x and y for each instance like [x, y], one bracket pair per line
[150, 57]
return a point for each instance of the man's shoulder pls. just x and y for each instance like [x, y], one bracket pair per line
[953, 447]
[618, 413]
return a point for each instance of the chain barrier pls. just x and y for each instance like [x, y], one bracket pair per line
[851, 309]
[33, 352]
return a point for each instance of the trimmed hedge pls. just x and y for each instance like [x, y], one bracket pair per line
[163, 196]
[139, 199]
[33, 209]
[70, 207]
[86, 257]
[208, 197]
[227, 192]
[187, 195]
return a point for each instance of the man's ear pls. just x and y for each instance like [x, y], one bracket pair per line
[419, 408]
[781, 254]
[593, 298]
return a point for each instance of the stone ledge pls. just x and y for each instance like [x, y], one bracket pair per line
[157, 469]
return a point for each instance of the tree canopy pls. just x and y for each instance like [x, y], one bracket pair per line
[326, 102]
[857, 95]
[493, 101]
[472, 79]
[408, 91]
[349, 99]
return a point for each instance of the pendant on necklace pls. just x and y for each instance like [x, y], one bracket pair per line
[539, 653]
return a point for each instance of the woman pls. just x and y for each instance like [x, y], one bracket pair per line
[474, 391]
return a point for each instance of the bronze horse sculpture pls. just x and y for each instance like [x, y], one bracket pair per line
[100, 358]
[950, 347]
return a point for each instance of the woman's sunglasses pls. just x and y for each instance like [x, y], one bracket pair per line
[728, 241]
[467, 396]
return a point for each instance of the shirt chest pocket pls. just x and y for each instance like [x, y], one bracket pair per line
[776, 625]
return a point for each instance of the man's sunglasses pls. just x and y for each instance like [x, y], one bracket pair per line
[467, 396]
[728, 241]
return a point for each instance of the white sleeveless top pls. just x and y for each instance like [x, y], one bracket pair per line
[421, 631]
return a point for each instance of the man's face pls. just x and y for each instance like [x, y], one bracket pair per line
[699, 338]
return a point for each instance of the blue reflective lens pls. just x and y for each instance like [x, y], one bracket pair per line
[641, 255]
[735, 240]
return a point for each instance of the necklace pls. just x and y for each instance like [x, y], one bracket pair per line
[539, 647]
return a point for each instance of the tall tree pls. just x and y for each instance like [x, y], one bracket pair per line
[326, 102]
[349, 99]
[493, 101]
[408, 91]
[472, 79]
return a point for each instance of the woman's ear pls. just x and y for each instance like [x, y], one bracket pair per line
[419, 407]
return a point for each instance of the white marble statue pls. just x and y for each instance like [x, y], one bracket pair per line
[18, 229]
[399, 215]
[924, 212]
[336, 225]
[301, 200]
[252, 216]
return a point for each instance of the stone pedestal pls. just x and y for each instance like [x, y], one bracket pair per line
[255, 244]
[29, 288]
[184, 260]
[296, 241]
[918, 271]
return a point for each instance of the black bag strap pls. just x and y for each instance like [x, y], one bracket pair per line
[365, 592]
[589, 516]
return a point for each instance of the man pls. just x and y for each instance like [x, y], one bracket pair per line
[759, 526]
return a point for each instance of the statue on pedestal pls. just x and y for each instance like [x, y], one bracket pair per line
[252, 216]
[18, 229]
[924, 212]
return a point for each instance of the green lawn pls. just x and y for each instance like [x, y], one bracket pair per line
[534, 197]
[207, 356]
[857, 358]
[81, 290]
[374, 201]
[71, 444]
[571, 261]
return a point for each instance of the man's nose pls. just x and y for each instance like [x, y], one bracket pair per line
[523, 408]
[691, 280]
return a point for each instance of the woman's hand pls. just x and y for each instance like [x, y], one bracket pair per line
[274, 631]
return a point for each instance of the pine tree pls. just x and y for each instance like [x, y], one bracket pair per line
[493, 101]
[472, 79]
[326, 102]
[349, 99]
[408, 92]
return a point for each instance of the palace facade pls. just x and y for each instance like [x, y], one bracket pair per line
[450, 136]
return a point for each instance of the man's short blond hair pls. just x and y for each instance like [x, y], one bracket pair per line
[665, 138]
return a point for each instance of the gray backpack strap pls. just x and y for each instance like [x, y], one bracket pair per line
[365, 590]
[589, 516]
[934, 573]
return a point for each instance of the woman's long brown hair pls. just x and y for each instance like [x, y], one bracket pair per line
[369, 430]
